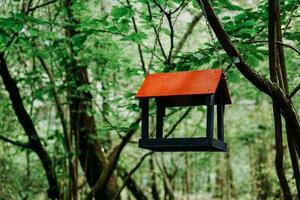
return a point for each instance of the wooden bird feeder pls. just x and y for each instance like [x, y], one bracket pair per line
[189, 88]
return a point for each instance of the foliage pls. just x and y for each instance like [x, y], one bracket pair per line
[108, 35]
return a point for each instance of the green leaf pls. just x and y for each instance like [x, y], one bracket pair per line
[253, 61]
[136, 37]
[215, 65]
[233, 76]
[249, 23]
[226, 18]
[134, 126]
[247, 32]
[118, 12]
[240, 17]
[78, 40]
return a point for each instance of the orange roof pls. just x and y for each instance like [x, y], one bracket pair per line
[199, 82]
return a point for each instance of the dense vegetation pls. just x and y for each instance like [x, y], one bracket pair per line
[69, 122]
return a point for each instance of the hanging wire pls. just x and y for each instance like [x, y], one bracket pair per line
[215, 46]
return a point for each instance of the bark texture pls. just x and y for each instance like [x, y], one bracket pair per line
[34, 142]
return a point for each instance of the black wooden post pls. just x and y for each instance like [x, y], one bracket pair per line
[144, 104]
[160, 113]
[220, 119]
[210, 102]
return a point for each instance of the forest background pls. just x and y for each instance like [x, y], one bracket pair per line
[69, 122]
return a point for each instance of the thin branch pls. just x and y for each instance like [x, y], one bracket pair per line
[139, 46]
[297, 88]
[166, 180]
[169, 19]
[58, 104]
[40, 6]
[160, 7]
[174, 11]
[156, 32]
[17, 143]
[178, 122]
[289, 46]
[131, 173]
[149, 153]
[188, 32]
[278, 42]
[290, 17]
[105, 176]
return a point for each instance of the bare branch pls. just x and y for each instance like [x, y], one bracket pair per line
[156, 32]
[188, 32]
[297, 88]
[105, 176]
[28, 127]
[169, 19]
[289, 46]
[290, 17]
[178, 122]
[149, 153]
[174, 11]
[278, 42]
[58, 104]
[131, 173]
[17, 143]
[139, 46]
[40, 6]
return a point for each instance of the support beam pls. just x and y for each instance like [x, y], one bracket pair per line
[210, 116]
[160, 113]
[144, 104]
[220, 121]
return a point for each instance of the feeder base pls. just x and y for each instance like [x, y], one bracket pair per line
[183, 144]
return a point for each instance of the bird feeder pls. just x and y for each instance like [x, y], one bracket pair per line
[177, 89]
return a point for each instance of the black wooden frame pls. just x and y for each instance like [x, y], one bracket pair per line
[159, 143]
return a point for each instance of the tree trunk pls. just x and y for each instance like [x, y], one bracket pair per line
[82, 124]
[273, 90]
[28, 126]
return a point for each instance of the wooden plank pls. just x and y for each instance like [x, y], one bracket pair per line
[210, 117]
[160, 113]
[183, 144]
[144, 104]
[220, 121]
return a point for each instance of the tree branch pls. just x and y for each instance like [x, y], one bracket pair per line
[174, 11]
[17, 143]
[107, 172]
[139, 46]
[28, 126]
[40, 6]
[128, 176]
[188, 32]
[169, 19]
[275, 74]
[289, 46]
[260, 82]
[297, 88]
[278, 42]
[178, 122]
[156, 31]
[148, 154]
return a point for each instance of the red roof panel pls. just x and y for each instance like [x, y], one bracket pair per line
[181, 83]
